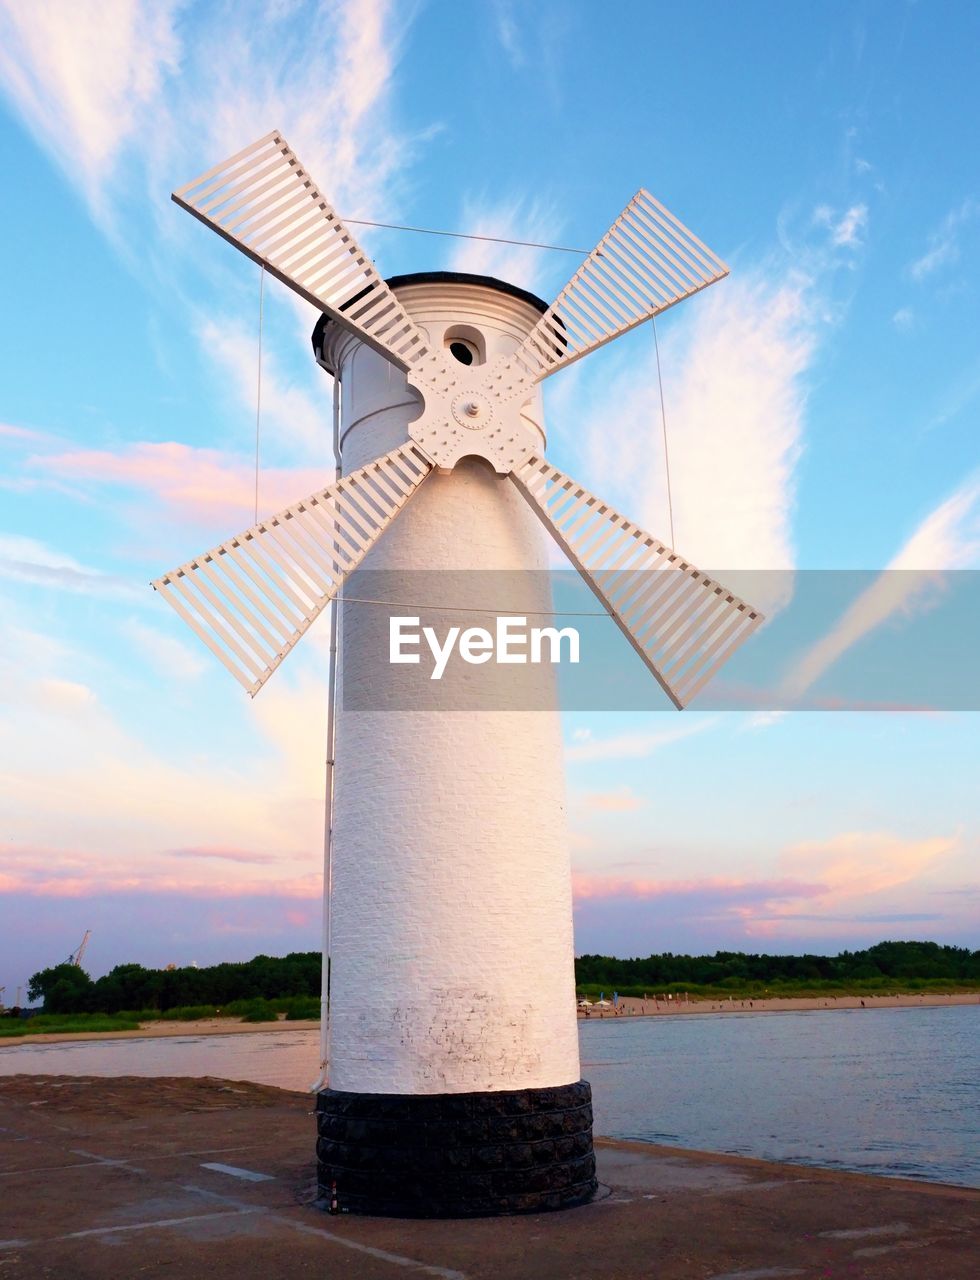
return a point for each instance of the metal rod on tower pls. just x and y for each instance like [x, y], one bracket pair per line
[322, 1078]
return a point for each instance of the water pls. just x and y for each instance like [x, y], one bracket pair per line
[886, 1091]
[287, 1059]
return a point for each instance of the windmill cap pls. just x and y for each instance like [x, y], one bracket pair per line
[435, 277]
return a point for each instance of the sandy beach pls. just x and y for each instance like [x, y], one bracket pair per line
[160, 1030]
[662, 1007]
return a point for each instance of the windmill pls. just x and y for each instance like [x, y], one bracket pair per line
[454, 1072]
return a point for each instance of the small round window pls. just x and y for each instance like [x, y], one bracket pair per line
[465, 344]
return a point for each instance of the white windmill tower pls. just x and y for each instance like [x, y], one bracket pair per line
[454, 1072]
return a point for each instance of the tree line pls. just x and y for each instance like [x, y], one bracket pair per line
[67, 988]
[893, 962]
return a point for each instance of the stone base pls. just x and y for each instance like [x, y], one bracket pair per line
[455, 1155]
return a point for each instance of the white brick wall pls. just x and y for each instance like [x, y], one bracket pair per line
[452, 924]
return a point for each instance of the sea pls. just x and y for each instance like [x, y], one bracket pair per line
[894, 1092]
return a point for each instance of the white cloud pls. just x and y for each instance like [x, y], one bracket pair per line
[121, 803]
[321, 73]
[763, 719]
[64, 697]
[505, 26]
[84, 78]
[735, 399]
[514, 219]
[943, 243]
[949, 538]
[621, 800]
[289, 412]
[169, 656]
[26, 650]
[958, 393]
[24, 559]
[903, 319]
[636, 745]
[846, 230]
[126, 77]
[734, 367]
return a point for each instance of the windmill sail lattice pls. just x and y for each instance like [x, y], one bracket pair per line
[264, 202]
[646, 262]
[683, 624]
[252, 597]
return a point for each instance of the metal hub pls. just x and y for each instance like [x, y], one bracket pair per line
[465, 416]
[472, 410]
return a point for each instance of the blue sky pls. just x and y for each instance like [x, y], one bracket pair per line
[822, 403]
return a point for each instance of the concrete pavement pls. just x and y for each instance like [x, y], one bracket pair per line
[180, 1179]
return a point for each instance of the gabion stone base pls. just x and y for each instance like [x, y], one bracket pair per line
[455, 1155]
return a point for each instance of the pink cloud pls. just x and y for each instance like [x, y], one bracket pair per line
[300, 919]
[587, 886]
[855, 863]
[228, 855]
[193, 484]
[308, 886]
[857, 871]
[22, 433]
[622, 800]
[56, 873]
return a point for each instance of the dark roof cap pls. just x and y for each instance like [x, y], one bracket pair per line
[440, 277]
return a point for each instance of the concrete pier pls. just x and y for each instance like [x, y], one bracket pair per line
[182, 1178]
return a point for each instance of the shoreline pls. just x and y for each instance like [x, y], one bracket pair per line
[658, 1007]
[629, 1007]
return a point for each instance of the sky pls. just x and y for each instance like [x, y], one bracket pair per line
[822, 408]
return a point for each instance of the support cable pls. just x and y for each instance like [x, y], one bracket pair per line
[663, 422]
[258, 390]
[465, 235]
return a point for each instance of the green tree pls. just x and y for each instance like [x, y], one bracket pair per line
[65, 988]
[127, 986]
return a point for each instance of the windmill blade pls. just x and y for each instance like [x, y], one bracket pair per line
[265, 203]
[251, 598]
[646, 262]
[683, 624]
